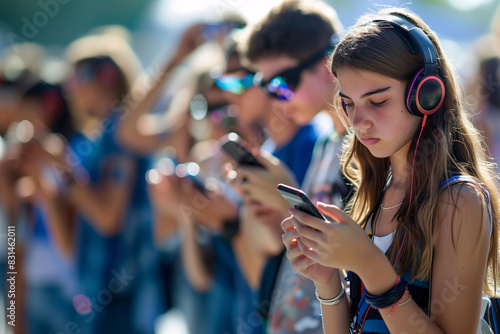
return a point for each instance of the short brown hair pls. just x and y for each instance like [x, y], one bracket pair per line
[294, 28]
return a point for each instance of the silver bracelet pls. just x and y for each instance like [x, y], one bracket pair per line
[406, 301]
[333, 301]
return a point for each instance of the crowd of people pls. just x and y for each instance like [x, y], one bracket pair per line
[126, 206]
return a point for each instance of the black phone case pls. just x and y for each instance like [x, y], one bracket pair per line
[240, 154]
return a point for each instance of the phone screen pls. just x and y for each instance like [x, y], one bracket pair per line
[299, 200]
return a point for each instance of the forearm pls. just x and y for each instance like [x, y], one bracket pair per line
[104, 215]
[153, 94]
[130, 133]
[379, 277]
[409, 318]
[194, 263]
[164, 227]
[336, 318]
[61, 225]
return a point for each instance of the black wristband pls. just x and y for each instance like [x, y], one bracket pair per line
[388, 298]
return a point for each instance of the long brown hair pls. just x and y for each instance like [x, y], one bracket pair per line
[449, 144]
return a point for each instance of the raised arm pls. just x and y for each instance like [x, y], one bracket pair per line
[129, 132]
[105, 204]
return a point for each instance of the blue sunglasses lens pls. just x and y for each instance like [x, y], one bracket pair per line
[279, 88]
[236, 82]
[282, 86]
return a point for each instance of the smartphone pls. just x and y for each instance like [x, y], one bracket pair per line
[192, 171]
[299, 200]
[237, 149]
[212, 29]
[170, 166]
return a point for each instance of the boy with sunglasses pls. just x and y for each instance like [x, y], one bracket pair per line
[254, 108]
[289, 48]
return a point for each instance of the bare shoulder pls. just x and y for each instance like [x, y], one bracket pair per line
[462, 210]
[460, 256]
[466, 198]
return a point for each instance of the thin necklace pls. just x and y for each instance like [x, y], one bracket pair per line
[391, 207]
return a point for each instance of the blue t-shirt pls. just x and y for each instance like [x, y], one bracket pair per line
[297, 153]
[231, 300]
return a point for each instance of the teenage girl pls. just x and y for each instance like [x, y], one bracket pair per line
[420, 240]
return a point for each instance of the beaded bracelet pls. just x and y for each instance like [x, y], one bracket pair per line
[388, 298]
[399, 303]
[333, 301]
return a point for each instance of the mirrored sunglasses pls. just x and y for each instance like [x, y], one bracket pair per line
[282, 85]
[235, 82]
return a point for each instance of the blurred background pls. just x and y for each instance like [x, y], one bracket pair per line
[156, 24]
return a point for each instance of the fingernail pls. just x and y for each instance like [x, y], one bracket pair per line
[290, 211]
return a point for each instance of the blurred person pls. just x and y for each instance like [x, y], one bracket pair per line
[224, 269]
[288, 146]
[223, 264]
[117, 263]
[237, 81]
[221, 267]
[483, 87]
[193, 96]
[207, 226]
[49, 240]
[252, 108]
[43, 220]
[289, 142]
[289, 49]
[483, 92]
[20, 68]
[172, 228]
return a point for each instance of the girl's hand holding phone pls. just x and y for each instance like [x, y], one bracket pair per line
[337, 243]
[300, 262]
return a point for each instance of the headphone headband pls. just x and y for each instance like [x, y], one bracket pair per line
[414, 37]
[425, 91]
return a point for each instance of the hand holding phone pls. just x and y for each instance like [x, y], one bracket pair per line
[167, 166]
[299, 200]
[238, 150]
[212, 30]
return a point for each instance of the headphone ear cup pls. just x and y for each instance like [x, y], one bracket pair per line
[424, 94]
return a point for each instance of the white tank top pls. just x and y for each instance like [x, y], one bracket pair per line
[383, 243]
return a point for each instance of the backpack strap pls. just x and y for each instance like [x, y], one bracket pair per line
[492, 316]
[354, 292]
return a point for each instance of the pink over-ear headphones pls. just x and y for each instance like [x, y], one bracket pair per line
[425, 92]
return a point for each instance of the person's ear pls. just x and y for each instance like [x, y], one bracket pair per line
[331, 77]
